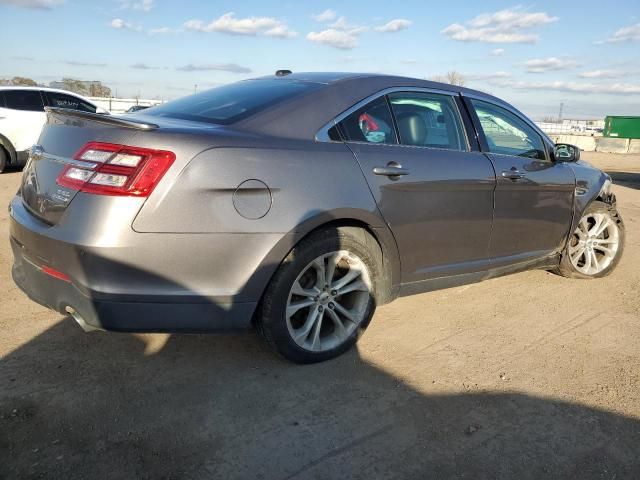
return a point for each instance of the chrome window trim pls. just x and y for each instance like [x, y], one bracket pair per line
[323, 133]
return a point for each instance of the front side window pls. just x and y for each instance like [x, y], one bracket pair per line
[29, 100]
[508, 134]
[62, 100]
[428, 120]
[371, 123]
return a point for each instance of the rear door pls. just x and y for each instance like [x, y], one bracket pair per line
[24, 117]
[434, 190]
[534, 195]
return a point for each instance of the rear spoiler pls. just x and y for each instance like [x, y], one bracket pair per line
[101, 118]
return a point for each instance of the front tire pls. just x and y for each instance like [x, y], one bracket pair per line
[322, 296]
[596, 245]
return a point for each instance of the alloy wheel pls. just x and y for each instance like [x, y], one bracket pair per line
[594, 243]
[328, 301]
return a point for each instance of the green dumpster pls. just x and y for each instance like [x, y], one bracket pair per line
[621, 127]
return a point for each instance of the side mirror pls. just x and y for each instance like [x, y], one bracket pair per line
[564, 152]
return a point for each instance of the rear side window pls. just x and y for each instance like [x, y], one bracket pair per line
[62, 100]
[29, 100]
[508, 134]
[428, 120]
[231, 103]
[372, 124]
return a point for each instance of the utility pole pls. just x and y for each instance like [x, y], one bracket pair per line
[560, 112]
[195, 88]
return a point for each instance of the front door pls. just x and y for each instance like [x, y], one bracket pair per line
[434, 192]
[534, 195]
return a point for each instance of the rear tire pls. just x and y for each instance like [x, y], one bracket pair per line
[322, 296]
[595, 247]
[3, 159]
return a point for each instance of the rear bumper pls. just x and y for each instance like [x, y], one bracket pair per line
[126, 281]
[119, 313]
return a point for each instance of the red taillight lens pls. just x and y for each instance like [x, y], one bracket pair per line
[109, 169]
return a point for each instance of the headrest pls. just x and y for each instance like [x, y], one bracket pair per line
[413, 130]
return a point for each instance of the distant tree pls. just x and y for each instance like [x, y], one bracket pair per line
[75, 86]
[99, 90]
[88, 89]
[453, 77]
[19, 82]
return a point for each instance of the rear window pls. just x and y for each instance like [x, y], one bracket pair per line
[231, 103]
[62, 100]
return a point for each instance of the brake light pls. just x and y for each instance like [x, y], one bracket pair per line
[110, 169]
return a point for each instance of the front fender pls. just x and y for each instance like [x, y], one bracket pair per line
[589, 185]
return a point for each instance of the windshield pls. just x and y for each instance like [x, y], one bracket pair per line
[230, 103]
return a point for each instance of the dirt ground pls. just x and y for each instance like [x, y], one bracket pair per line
[523, 377]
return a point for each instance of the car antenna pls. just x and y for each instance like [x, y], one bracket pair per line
[283, 73]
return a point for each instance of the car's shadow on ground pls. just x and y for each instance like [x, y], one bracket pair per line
[626, 179]
[100, 405]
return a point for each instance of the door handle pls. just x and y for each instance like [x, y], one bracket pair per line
[513, 174]
[393, 169]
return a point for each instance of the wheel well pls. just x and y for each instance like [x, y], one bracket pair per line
[386, 294]
[8, 149]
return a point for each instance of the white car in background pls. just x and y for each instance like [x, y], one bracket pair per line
[22, 116]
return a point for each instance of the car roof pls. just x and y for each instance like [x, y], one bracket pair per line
[328, 78]
[41, 89]
[340, 91]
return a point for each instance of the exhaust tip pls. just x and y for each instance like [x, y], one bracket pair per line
[80, 321]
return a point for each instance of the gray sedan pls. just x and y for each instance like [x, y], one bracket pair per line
[297, 203]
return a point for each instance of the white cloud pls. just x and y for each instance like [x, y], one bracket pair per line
[325, 16]
[160, 31]
[486, 76]
[542, 65]
[504, 26]
[223, 67]
[624, 34]
[342, 24]
[142, 5]
[230, 24]
[120, 24]
[76, 63]
[601, 74]
[340, 34]
[395, 25]
[281, 31]
[574, 87]
[37, 4]
[144, 66]
[497, 52]
[341, 39]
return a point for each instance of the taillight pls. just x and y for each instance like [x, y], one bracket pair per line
[109, 169]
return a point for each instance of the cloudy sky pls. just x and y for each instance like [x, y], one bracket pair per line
[535, 55]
